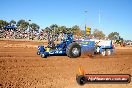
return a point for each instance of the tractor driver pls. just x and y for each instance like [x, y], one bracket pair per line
[64, 44]
[51, 44]
[65, 40]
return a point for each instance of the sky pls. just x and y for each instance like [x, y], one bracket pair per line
[105, 15]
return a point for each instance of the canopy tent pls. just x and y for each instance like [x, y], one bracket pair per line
[10, 27]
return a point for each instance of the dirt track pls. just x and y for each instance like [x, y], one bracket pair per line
[21, 67]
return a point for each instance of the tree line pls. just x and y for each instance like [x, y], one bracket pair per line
[23, 26]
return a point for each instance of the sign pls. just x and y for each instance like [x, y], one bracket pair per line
[88, 30]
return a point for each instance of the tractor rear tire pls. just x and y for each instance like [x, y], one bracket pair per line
[81, 80]
[73, 50]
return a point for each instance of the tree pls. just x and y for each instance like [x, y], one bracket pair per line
[22, 25]
[76, 30]
[33, 28]
[54, 28]
[12, 22]
[47, 29]
[98, 34]
[3, 23]
[83, 32]
[68, 30]
[113, 35]
[62, 29]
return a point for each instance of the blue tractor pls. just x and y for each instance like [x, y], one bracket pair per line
[68, 46]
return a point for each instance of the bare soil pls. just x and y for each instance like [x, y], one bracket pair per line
[20, 67]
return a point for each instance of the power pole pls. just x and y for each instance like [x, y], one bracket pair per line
[29, 29]
[85, 21]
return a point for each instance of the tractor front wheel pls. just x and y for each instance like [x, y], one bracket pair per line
[43, 56]
[38, 53]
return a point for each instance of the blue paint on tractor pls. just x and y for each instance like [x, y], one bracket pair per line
[87, 46]
[63, 47]
[76, 48]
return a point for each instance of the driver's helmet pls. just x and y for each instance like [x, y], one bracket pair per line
[63, 40]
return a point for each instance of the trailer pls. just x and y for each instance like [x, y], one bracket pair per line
[104, 47]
